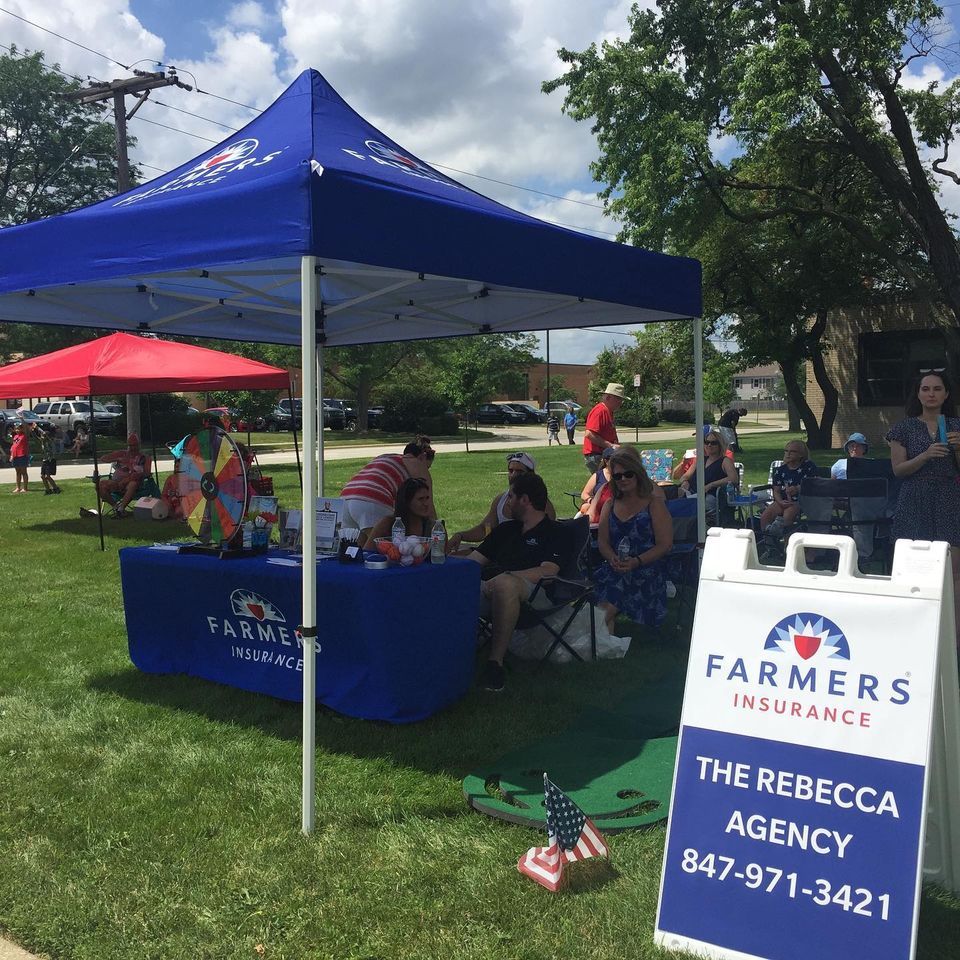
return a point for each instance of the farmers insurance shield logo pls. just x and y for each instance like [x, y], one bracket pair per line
[230, 154]
[245, 603]
[808, 634]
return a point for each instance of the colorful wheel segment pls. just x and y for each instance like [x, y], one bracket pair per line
[213, 484]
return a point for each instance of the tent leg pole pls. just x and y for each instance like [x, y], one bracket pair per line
[293, 426]
[153, 441]
[308, 628]
[698, 415]
[96, 471]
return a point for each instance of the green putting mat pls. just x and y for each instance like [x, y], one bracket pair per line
[616, 765]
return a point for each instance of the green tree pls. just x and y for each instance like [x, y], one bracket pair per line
[55, 154]
[763, 80]
[469, 370]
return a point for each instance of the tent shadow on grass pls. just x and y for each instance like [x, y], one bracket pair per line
[134, 531]
[478, 729]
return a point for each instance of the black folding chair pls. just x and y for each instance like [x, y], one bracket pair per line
[568, 593]
[854, 508]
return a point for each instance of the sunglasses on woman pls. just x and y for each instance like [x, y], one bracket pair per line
[711, 443]
[626, 475]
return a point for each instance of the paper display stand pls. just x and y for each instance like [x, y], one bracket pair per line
[815, 707]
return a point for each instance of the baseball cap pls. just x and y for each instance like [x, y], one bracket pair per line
[608, 453]
[133, 440]
[524, 459]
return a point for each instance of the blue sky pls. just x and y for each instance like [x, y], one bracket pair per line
[457, 84]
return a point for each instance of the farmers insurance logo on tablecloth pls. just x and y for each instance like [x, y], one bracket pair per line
[229, 160]
[257, 630]
[805, 671]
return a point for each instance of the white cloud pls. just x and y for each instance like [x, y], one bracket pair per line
[248, 14]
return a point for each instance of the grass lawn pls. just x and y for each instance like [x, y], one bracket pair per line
[158, 817]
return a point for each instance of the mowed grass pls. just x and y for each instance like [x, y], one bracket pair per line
[158, 816]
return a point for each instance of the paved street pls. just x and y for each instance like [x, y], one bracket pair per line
[505, 438]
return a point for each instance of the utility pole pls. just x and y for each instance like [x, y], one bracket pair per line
[139, 85]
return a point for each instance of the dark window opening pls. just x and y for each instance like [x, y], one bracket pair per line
[887, 362]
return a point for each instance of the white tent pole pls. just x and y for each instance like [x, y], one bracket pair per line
[698, 418]
[308, 627]
[320, 419]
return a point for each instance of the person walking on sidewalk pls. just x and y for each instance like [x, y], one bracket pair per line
[570, 425]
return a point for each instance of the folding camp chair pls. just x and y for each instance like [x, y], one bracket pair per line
[682, 562]
[855, 508]
[568, 593]
[658, 464]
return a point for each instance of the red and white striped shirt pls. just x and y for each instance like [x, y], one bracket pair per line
[378, 481]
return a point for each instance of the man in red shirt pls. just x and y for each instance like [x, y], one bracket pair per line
[600, 431]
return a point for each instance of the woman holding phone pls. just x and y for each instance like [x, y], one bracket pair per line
[923, 452]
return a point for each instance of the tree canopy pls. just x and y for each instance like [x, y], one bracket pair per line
[55, 154]
[699, 82]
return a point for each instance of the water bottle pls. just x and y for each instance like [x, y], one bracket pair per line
[623, 550]
[398, 532]
[438, 543]
[731, 494]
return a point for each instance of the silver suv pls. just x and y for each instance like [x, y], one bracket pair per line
[75, 414]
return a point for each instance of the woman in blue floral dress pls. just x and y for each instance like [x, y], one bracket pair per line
[635, 532]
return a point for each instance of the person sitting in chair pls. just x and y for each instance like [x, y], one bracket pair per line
[519, 553]
[130, 468]
[517, 465]
[856, 446]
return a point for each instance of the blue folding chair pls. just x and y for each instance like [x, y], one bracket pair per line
[682, 562]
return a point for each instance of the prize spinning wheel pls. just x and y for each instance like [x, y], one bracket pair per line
[213, 486]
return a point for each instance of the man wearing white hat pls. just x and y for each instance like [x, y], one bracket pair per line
[517, 464]
[600, 430]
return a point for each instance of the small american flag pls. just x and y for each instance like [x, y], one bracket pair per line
[571, 837]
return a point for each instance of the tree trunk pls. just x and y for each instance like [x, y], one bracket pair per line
[823, 439]
[793, 416]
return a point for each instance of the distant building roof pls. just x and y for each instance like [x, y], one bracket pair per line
[765, 370]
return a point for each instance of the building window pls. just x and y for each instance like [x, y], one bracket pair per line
[886, 362]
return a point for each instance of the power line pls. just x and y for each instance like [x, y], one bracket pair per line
[247, 106]
[60, 36]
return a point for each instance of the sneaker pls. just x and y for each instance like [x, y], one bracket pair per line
[493, 676]
[47, 493]
[122, 514]
[57, 490]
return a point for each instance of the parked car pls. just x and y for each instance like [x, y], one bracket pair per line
[530, 413]
[559, 407]
[114, 407]
[498, 413]
[333, 416]
[277, 419]
[228, 416]
[75, 415]
[9, 417]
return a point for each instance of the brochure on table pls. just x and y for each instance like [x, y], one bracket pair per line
[329, 518]
[798, 815]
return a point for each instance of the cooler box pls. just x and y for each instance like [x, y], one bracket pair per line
[150, 508]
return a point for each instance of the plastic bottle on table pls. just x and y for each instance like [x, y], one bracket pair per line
[623, 550]
[731, 494]
[398, 532]
[438, 543]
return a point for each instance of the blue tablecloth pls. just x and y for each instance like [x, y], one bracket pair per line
[393, 644]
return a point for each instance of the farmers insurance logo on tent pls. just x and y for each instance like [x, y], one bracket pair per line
[803, 672]
[229, 161]
[392, 157]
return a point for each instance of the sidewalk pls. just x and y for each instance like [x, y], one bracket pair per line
[10, 951]
[507, 438]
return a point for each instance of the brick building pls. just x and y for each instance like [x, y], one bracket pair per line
[576, 376]
[875, 351]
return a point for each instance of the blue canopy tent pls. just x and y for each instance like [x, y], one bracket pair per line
[311, 226]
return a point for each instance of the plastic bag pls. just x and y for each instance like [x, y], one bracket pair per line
[533, 644]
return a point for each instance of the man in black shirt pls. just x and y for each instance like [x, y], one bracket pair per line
[526, 549]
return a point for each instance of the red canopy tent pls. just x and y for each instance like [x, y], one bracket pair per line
[125, 363]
